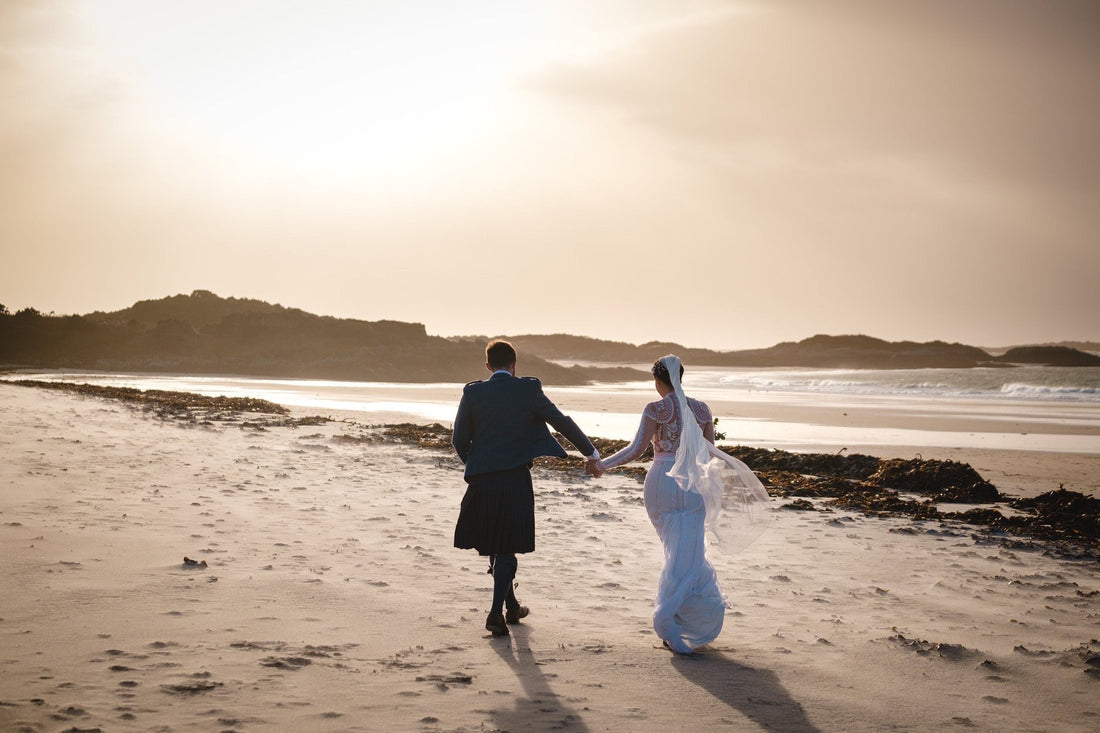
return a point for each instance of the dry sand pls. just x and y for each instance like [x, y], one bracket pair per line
[332, 599]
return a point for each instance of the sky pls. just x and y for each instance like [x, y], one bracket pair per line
[722, 174]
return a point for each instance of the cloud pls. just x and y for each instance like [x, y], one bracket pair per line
[904, 167]
[996, 90]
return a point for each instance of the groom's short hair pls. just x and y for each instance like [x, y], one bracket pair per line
[500, 354]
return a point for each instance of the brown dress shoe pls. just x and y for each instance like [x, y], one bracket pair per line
[513, 615]
[495, 624]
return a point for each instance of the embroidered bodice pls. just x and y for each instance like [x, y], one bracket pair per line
[661, 427]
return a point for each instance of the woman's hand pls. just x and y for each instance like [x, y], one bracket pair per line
[592, 467]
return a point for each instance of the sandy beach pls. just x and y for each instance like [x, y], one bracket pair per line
[325, 595]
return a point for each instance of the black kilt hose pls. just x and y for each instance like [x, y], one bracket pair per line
[497, 516]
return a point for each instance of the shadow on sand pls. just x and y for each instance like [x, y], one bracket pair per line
[539, 708]
[755, 693]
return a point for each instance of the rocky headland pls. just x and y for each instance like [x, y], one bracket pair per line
[203, 333]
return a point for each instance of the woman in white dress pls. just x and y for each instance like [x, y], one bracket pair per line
[685, 491]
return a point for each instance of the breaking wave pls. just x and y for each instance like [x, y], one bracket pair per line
[1023, 383]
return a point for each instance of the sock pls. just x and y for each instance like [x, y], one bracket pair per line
[510, 601]
[504, 571]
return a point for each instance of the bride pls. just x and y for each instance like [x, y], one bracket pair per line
[693, 492]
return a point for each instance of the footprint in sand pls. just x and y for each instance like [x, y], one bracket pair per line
[289, 663]
[192, 688]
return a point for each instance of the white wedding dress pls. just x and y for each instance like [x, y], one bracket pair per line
[690, 607]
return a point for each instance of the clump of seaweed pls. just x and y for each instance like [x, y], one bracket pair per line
[945, 481]
[433, 436]
[157, 400]
[834, 465]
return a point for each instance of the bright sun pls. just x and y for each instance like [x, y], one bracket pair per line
[326, 89]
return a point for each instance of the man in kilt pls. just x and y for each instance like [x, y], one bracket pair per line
[500, 428]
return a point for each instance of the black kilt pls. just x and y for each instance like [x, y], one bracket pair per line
[498, 513]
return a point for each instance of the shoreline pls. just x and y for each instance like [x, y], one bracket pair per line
[1013, 470]
[787, 420]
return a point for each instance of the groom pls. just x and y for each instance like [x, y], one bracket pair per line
[499, 430]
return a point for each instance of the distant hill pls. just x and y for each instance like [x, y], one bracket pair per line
[201, 308]
[821, 351]
[862, 352]
[839, 352]
[203, 333]
[563, 347]
[1049, 356]
[1092, 347]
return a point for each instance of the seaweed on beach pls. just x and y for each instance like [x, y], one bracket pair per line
[1065, 522]
[951, 652]
[434, 436]
[832, 465]
[184, 406]
[1063, 512]
[164, 399]
[606, 447]
[876, 502]
[788, 483]
[835, 474]
[944, 481]
[1060, 504]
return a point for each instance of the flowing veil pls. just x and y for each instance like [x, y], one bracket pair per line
[737, 505]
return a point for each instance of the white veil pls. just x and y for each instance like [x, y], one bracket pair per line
[737, 505]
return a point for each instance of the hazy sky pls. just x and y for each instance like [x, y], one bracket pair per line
[723, 174]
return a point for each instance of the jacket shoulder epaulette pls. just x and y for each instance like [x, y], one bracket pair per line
[536, 380]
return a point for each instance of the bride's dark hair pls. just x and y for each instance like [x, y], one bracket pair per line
[661, 372]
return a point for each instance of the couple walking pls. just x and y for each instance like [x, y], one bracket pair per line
[692, 489]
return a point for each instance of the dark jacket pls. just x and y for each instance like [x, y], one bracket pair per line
[501, 424]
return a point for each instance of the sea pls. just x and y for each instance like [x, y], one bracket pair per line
[1031, 408]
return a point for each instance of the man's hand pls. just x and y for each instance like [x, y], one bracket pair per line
[592, 467]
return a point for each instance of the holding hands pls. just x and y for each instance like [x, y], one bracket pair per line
[592, 467]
